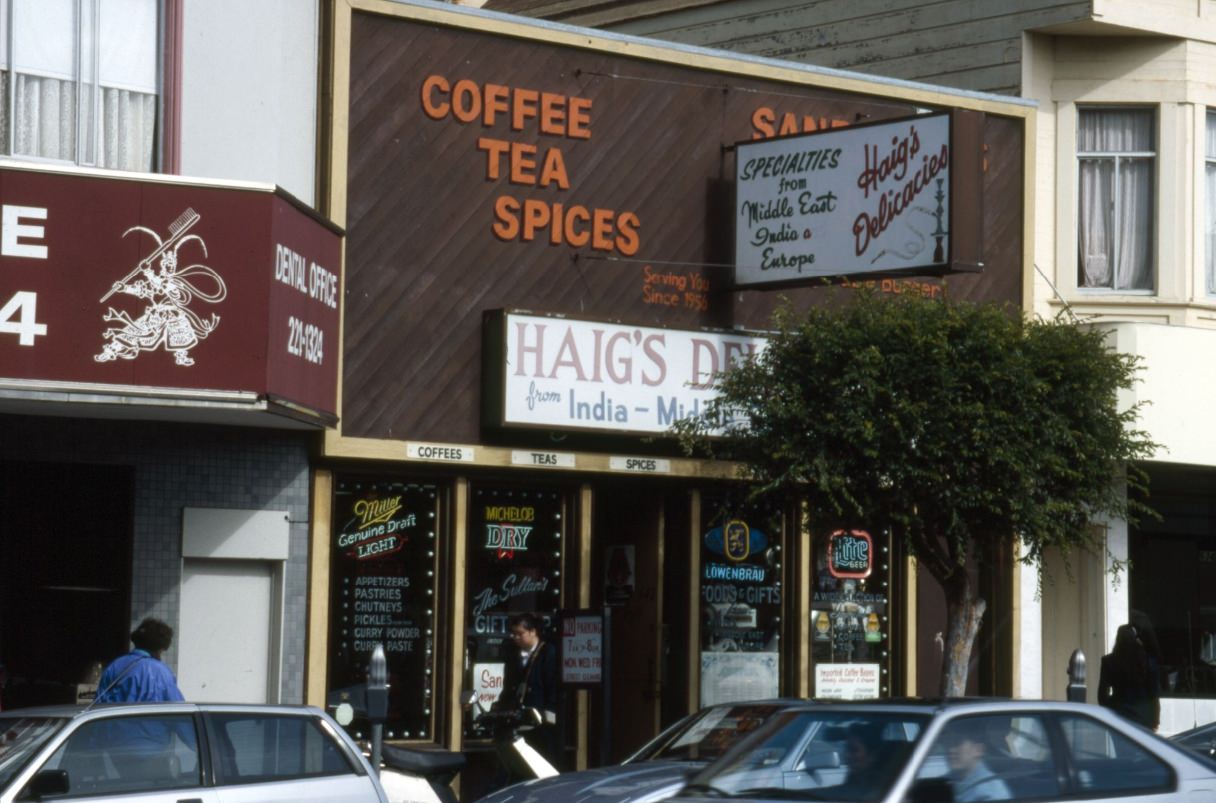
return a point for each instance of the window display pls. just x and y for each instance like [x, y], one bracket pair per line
[382, 590]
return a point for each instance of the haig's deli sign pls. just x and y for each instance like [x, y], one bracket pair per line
[559, 373]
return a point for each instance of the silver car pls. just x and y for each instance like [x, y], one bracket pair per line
[659, 768]
[955, 752]
[181, 752]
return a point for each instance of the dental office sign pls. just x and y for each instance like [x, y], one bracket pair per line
[857, 200]
[559, 373]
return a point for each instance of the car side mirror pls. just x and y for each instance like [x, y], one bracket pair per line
[932, 790]
[47, 783]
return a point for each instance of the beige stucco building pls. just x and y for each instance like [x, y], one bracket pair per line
[1124, 211]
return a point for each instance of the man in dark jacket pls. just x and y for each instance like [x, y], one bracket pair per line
[532, 682]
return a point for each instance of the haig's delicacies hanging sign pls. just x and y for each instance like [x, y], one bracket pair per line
[561, 373]
[860, 200]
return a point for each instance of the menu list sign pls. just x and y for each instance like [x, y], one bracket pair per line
[857, 200]
[382, 590]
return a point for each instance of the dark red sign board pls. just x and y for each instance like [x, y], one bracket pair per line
[118, 282]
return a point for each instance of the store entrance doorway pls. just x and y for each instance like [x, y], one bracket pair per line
[65, 576]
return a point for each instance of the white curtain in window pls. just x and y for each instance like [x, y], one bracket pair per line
[46, 123]
[1115, 239]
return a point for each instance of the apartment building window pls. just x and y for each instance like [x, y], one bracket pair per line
[1209, 229]
[79, 81]
[1116, 156]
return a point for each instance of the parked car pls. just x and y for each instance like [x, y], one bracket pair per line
[660, 767]
[1202, 739]
[963, 750]
[173, 752]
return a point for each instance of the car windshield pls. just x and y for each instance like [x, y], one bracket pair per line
[816, 754]
[709, 734]
[20, 739]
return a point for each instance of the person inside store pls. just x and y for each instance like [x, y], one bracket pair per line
[965, 743]
[139, 676]
[1127, 680]
[531, 681]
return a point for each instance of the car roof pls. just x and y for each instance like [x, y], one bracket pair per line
[934, 705]
[72, 711]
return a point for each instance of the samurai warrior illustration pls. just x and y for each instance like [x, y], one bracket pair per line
[167, 321]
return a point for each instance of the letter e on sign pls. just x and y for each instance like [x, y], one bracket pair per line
[13, 231]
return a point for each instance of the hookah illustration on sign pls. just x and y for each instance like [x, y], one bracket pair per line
[167, 321]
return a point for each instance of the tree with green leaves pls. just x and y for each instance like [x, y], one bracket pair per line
[956, 427]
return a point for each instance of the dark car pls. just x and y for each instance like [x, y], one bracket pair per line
[1201, 739]
[174, 752]
[954, 751]
[659, 768]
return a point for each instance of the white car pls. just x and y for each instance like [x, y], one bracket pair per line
[954, 751]
[181, 753]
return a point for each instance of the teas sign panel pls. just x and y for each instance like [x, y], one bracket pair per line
[563, 373]
[863, 199]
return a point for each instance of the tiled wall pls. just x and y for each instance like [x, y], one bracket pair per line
[179, 466]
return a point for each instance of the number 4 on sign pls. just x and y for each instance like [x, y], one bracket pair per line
[19, 316]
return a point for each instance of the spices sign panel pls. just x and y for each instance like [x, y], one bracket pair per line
[866, 199]
[561, 373]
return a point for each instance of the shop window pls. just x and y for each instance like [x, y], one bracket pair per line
[382, 591]
[79, 81]
[1116, 171]
[1172, 580]
[850, 618]
[741, 598]
[514, 563]
[1209, 214]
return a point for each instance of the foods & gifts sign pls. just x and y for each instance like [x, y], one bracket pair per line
[865, 199]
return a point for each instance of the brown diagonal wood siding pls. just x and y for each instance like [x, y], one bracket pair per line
[423, 263]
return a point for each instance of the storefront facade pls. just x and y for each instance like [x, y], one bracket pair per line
[539, 281]
[163, 387]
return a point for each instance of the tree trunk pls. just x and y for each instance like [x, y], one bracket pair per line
[964, 612]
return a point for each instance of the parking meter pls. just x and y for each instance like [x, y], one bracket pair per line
[1076, 677]
[377, 701]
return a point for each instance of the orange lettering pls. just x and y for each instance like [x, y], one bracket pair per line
[536, 216]
[554, 170]
[602, 228]
[494, 149]
[466, 102]
[555, 231]
[576, 238]
[523, 107]
[628, 241]
[789, 124]
[435, 111]
[762, 121]
[496, 101]
[523, 165]
[580, 118]
[506, 209]
[552, 113]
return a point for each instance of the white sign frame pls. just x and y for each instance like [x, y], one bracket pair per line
[865, 199]
[563, 373]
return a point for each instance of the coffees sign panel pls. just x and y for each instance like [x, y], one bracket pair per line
[119, 282]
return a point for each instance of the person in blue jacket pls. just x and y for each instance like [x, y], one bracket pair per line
[139, 676]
